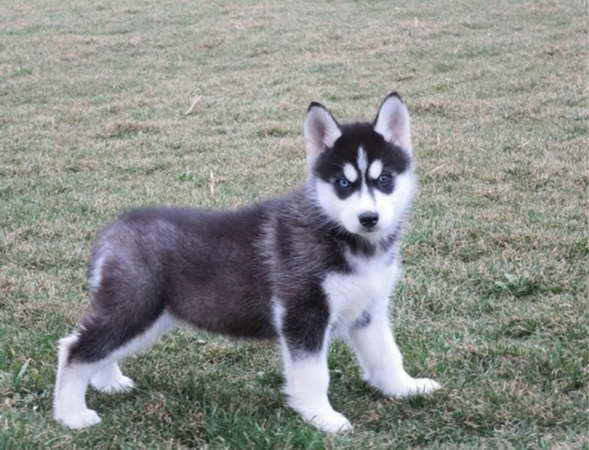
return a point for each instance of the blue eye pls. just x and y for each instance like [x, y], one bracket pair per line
[343, 182]
[385, 178]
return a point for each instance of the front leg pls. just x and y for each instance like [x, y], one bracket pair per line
[381, 361]
[304, 342]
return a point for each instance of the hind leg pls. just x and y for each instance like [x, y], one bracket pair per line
[69, 403]
[111, 380]
[82, 360]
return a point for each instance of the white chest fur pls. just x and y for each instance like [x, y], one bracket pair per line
[370, 282]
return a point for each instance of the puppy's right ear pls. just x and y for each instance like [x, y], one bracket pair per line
[321, 131]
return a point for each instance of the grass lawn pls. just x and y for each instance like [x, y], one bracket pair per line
[494, 301]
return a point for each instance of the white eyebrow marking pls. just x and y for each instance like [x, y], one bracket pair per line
[350, 172]
[362, 160]
[375, 169]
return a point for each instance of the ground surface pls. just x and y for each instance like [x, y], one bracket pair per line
[494, 299]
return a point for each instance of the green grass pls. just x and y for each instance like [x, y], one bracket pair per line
[494, 298]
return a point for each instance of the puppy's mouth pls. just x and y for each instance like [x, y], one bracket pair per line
[368, 232]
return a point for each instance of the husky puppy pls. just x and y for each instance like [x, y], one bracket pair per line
[320, 261]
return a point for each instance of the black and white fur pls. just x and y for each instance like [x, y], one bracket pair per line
[320, 261]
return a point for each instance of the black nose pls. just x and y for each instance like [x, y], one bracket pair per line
[368, 219]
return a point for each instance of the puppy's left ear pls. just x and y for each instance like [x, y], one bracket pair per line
[393, 123]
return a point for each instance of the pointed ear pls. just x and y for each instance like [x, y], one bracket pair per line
[393, 123]
[321, 130]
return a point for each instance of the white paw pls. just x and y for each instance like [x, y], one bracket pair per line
[412, 386]
[332, 423]
[78, 419]
[120, 384]
[329, 422]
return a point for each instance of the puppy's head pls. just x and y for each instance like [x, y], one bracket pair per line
[362, 173]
